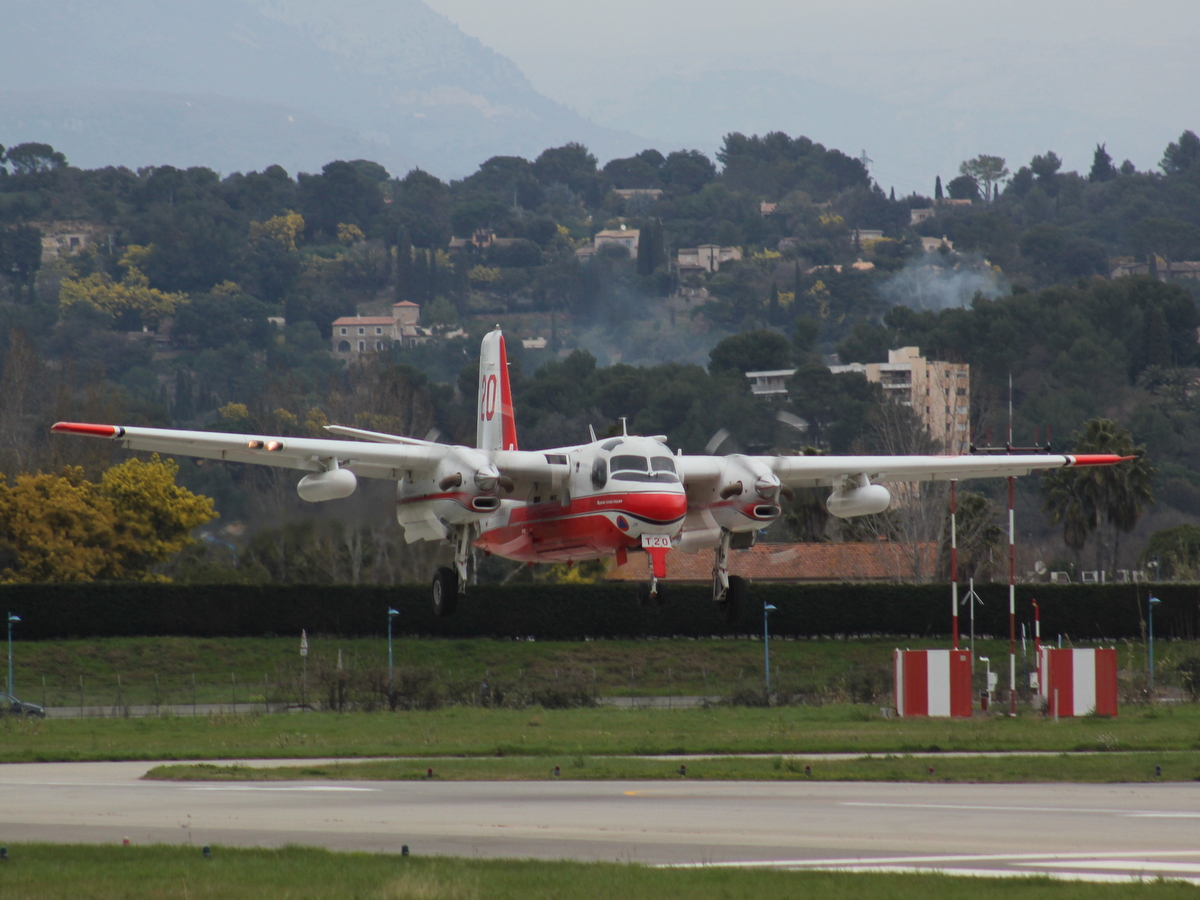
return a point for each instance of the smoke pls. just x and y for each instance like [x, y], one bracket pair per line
[949, 283]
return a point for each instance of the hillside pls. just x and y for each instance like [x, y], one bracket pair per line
[391, 81]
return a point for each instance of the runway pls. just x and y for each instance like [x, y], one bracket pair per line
[1096, 832]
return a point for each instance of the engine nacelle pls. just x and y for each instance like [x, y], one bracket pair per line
[865, 500]
[332, 485]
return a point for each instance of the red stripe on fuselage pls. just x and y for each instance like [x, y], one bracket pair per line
[582, 529]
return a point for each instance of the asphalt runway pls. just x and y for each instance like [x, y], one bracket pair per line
[1093, 832]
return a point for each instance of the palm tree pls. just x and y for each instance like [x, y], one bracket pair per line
[1081, 499]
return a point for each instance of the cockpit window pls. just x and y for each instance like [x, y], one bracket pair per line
[659, 470]
[628, 464]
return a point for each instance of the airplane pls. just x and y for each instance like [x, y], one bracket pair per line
[607, 498]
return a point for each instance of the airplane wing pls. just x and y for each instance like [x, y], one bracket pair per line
[369, 459]
[828, 471]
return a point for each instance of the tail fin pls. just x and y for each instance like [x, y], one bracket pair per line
[496, 428]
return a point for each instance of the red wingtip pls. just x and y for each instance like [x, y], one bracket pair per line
[108, 431]
[1098, 459]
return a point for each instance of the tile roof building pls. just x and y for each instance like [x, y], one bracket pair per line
[367, 334]
[875, 561]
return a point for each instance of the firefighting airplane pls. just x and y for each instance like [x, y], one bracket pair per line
[605, 498]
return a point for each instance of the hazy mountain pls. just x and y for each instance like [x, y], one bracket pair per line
[925, 135]
[297, 82]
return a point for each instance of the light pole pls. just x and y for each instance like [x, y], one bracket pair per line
[12, 620]
[391, 614]
[1154, 601]
[768, 608]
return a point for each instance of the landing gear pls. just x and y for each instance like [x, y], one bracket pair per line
[729, 591]
[647, 595]
[735, 599]
[449, 583]
[445, 592]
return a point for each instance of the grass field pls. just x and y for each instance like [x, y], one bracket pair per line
[604, 731]
[46, 872]
[1089, 769]
[220, 670]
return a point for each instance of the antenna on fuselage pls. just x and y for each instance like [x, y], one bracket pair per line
[592, 432]
[624, 428]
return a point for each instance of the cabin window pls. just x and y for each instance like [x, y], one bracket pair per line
[629, 464]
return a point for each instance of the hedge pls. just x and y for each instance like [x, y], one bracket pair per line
[569, 612]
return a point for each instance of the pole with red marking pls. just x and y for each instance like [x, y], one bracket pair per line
[953, 565]
[1012, 601]
[1037, 642]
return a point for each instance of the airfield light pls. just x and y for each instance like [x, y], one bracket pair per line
[767, 610]
[1154, 601]
[12, 620]
[391, 614]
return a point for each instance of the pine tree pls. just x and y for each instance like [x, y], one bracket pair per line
[892, 195]
[404, 266]
[1102, 166]
[937, 189]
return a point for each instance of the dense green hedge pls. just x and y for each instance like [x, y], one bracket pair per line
[576, 611]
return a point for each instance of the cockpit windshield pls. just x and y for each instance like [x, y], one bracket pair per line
[660, 469]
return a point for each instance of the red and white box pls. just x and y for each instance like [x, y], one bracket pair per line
[933, 683]
[1079, 682]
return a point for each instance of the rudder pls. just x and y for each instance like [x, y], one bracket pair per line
[496, 429]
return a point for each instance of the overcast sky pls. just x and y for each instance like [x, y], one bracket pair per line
[1122, 73]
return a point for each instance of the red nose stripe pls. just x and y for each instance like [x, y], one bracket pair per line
[1097, 459]
[108, 431]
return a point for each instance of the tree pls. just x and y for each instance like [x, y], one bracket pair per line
[31, 159]
[1082, 499]
[65, 528]
[1178, 158]
[750, 351]
[1102, 166]
[1177, 552]
[130, 298]
[688, 170]
[964, 187]
[937, 189]
[21, 253]
[986, 170]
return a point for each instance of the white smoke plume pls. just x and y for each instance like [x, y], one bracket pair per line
[943, 283]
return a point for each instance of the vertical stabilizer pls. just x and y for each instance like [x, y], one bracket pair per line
[496, 429]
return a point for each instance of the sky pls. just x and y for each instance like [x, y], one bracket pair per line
[919, 85]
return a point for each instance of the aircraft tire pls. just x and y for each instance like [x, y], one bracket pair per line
[735, 599]
[445, 592]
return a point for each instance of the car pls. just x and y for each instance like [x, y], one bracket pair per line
[14, 707]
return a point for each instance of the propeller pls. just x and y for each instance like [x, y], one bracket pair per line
[716, 441]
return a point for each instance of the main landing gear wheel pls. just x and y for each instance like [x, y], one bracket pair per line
[735, 599]
[445, 592]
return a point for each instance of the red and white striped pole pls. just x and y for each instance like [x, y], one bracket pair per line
[1012, 602]
[953, 565]
[1037, 641]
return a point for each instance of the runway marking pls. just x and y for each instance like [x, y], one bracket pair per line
[1114, 867]
[1018, 858]
[299, 787]
[1080, 810]
[1127, 865]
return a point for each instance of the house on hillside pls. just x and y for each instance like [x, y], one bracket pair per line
[353, 335]
[706, 259]
[938, 392]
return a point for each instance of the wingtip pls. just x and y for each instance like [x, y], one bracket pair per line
[87, 429]
[1098, 459]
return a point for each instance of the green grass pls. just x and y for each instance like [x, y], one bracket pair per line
[250, 668]
[47, 871]
[1097, 769]
[471, 731]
